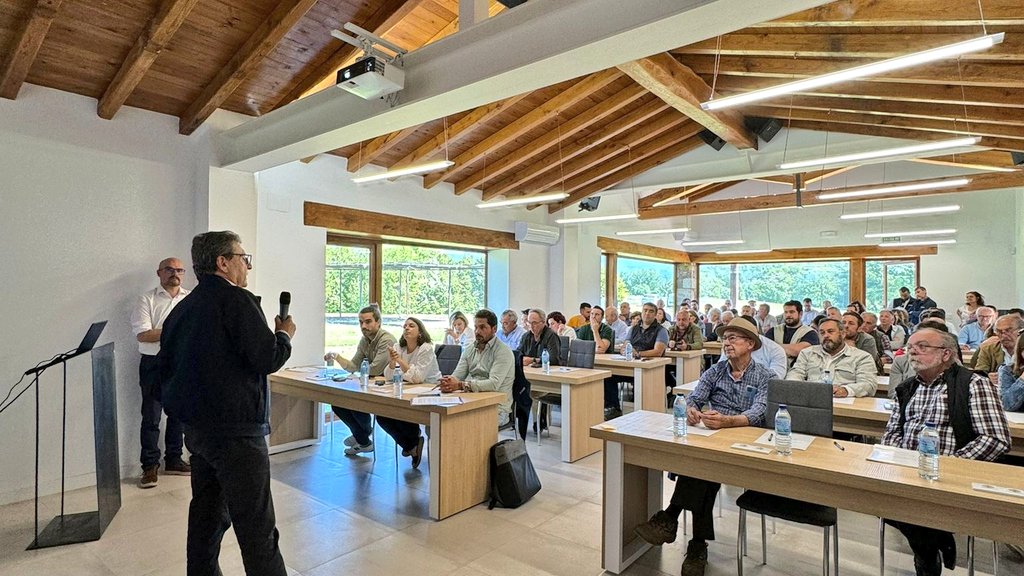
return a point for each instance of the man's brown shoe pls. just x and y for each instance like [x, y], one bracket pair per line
[177, 468]
[149, 477]
[696, 560]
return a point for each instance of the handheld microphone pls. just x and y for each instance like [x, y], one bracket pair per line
[286, 301]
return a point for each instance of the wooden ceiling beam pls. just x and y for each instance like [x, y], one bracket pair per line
[571, 150]
[682, 89]
[548, 141]
[459, 129]
[666, 195]
[901, 13]
[159, 30]
[639, 165]
[710, 189]
[378, 146]
[946, 112]
[646, 139]
[987, 160]
[919, 124]
[819, 175]
[891, 92]
[890, 132]
[978, 182]
[786, 69]
[532, 119]
[828, 44]
[262, 41]
[819, 253]
[387, 15]
[18, 58]
[616, 246]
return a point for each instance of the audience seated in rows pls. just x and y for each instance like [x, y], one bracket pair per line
[556, 321]
[486, 365]
[972, 334]
[894, 332]
[619, 326]
[808, 312]
[901, 369]
[999, 350]
[882, 342]
[918, 303]
[685, 334]
[851, 371]
[792, 334]
[459, 331]
[582, 318]
[539, 338]
[765, 321]
[967, 313]
[711, 323]
[854, 337]
[649, 340]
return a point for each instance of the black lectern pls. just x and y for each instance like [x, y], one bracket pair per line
[85, 526]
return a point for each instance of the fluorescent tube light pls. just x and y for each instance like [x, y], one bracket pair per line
[595, 218]
[760, 251]
[895, 188]
[916, 243]
[874, 154]
[642, 232]
[881, 67]
[710, 242]
[415, 169]
[912, 233]
[527, 200]
[903, 212]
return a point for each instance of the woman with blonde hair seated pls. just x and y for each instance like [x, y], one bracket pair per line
[460, 332]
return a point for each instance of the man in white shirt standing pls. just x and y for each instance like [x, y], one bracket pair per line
[151, 308]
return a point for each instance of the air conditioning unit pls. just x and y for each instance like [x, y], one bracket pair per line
[537, 233]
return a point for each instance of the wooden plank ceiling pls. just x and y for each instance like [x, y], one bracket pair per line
[188, 57]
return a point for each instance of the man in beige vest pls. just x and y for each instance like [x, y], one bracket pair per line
[792, 335]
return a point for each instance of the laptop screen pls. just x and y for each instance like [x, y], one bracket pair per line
[91, 337]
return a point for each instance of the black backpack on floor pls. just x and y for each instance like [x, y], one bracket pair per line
[513, 478]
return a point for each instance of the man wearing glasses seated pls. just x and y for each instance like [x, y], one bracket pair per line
[151, 308]
[992, 355]
[965, 409]
[729, 394]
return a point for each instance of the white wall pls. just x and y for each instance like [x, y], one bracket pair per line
[89, 208]
[290, 255]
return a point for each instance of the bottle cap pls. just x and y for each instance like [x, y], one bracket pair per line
[783, 407]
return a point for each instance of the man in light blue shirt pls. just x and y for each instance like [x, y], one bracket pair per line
[809, 313]
[972, 334]
[510, 333]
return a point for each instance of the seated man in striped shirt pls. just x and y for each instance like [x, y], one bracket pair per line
[966, 411]
[735, 392]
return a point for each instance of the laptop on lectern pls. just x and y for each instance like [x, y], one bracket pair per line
[91, 337]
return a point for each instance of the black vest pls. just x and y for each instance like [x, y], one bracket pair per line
[958, 398]
[643, 340]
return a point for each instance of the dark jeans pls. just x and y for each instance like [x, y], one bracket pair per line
[149, 382]
[231, 487]
[926, 542]
[697, 496]
[406, 434]
[357, 422]
[611, 390]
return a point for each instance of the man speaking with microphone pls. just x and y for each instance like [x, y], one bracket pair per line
[215, 354]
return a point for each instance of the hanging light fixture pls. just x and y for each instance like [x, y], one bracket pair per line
[644, 232]
[596, 218]
[902, 212]
[906, 61]
[886, 153]
[956, 183]
[543, 198]
[940, 232]
[423, 168]
[710, 242]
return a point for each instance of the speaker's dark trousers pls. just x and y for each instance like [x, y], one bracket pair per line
[149, 382]
[231, 487]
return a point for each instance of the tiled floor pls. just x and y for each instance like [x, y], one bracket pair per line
[340, 515]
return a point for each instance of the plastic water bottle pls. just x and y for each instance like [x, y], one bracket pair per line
[364, 374]
[679, 417]
[783, 431]
[396, 379]
[627, 350]
[928, 452]
[826, 377]
[545, 362]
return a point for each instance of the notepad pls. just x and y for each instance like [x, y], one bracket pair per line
[416, 390]
[437, 400]
[798, 441]
[893, 455]
[1015, 417]
[842, 400]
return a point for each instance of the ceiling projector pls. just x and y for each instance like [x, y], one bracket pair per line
[371, 78]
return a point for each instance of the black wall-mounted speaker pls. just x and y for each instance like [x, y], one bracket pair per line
[511, 3]
[1018, 158]
[711, 139]
[765, 128]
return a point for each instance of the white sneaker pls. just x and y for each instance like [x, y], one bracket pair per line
[353, 450]
[351, 441]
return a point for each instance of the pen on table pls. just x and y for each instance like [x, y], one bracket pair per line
[771, 436]
[838, 445]
[436, 386]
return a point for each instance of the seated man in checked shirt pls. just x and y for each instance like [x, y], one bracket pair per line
[736, 392]
[967, 413]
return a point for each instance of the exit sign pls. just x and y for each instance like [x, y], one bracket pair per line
[888, 239]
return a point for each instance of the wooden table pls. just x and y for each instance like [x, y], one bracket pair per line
[460, 435]
[869, 416]
[582, 392]
[714, 347]
[641, 446]
[688, 363]
[648, 378]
